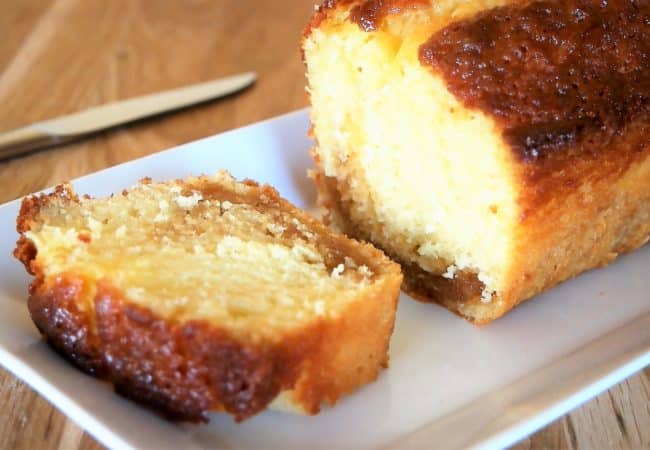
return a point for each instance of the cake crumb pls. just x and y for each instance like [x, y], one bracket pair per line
[308, 235]
[486, 296]
[188, 202]
[275, 229]
[338, 270]
[135, 293]
[160, 217]
[365, 271]
[95, 226]
[307, 254]
[286, 301]
[319, 307]
[450, 274]
[121, 231]
[349, 262]
[226, 205]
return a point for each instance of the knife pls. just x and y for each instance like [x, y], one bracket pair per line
[73, 126]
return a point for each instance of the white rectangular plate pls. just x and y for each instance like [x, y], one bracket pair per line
[449, 384]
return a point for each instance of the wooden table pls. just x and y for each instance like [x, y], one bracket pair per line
[59, 56]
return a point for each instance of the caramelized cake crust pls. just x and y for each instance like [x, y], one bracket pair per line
[567, 82]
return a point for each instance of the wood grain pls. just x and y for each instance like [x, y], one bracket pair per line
[60, 56]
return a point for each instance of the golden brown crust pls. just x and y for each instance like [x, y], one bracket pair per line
[179, 370]
[54, 307]
[567, 83]
[367, 14]
[184, 370]
[25, 251]
[604, 211]
[549, 71]
[351, 350]
[581, 229]
[320, 14]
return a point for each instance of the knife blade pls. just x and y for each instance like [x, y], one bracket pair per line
[73, 126]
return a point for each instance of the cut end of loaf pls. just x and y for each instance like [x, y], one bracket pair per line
[208, 256]
[460, 291]
[415, 172]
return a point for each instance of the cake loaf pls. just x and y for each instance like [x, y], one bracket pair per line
[207, 294]
[494, 148]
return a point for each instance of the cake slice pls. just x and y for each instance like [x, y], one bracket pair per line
[207, 294]
[494, 148]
